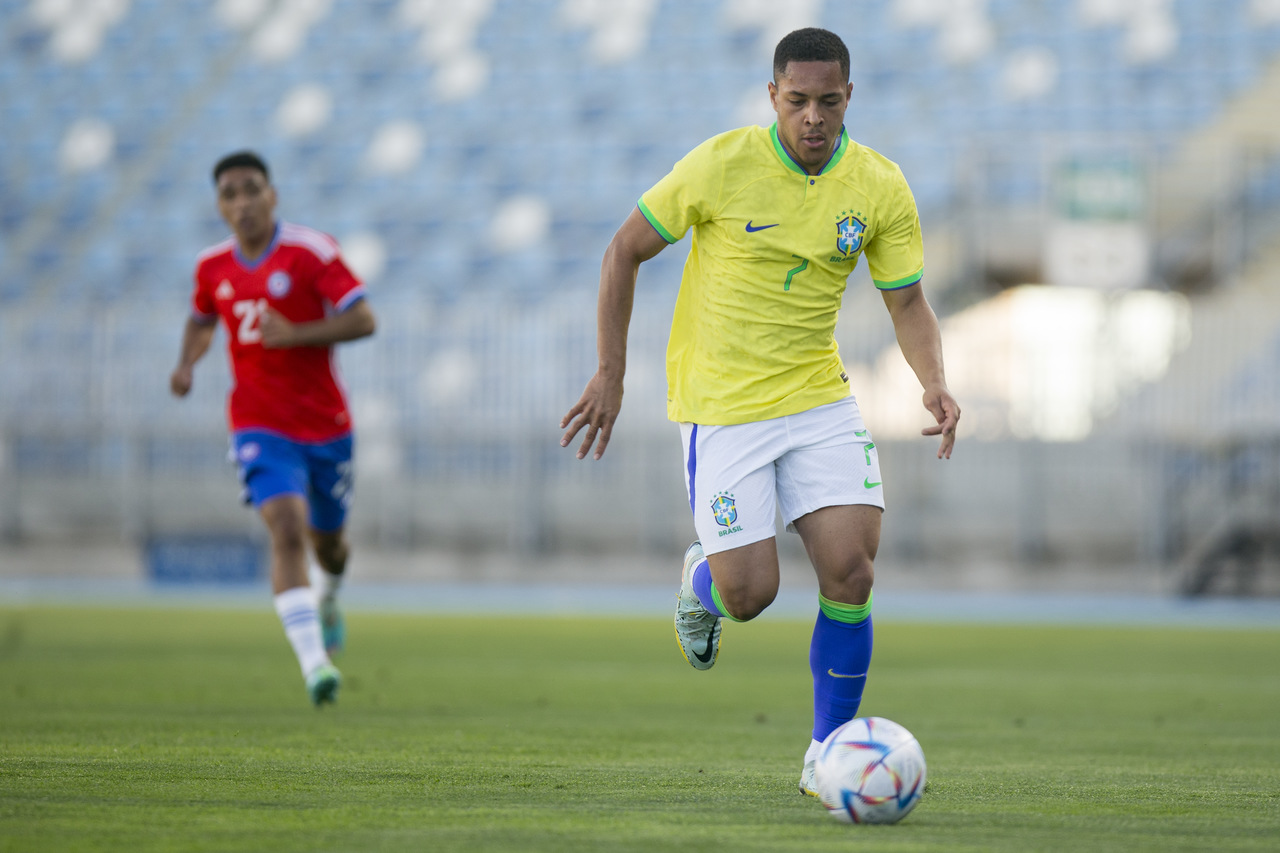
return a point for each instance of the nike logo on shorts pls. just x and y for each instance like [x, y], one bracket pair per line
[867, 484]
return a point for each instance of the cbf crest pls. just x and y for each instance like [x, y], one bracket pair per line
[725, 512]
[849, 233]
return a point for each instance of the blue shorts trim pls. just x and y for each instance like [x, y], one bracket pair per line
[271, 465]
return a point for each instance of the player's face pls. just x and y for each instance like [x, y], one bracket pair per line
[810, 99]
[247, 202]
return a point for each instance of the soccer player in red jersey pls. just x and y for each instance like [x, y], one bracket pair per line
[285, 297]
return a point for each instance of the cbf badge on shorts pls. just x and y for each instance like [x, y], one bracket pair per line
[725, 513]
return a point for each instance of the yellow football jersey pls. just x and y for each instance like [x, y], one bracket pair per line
[753, 334]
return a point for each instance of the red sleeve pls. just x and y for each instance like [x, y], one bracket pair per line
[202, 304]
[338, 285]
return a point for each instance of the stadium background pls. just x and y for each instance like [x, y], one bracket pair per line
[1099, 182]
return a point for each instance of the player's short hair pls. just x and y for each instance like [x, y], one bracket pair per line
[237, 159]
[810, 44]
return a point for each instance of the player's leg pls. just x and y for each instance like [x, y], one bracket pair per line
[749, 577]
[331, 551]
[285, 516]
[829, 488]
[743, 581]
[732, 570]
[273, 471]
[330, 467]
[841, 542]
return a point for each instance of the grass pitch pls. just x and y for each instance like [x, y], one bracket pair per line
[190, 730]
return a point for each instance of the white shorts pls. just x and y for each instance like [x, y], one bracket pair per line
[739, 476]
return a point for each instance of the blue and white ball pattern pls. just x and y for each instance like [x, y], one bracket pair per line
[870, 770]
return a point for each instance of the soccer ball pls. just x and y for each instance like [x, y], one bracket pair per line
[870, 770]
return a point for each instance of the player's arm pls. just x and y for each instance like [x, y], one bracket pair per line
[921, 342]
[597, 409]
[357, 321]
[197, 336]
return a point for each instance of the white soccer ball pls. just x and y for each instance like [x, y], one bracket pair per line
[870, 770]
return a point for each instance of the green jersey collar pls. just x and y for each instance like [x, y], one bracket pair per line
[790, 162]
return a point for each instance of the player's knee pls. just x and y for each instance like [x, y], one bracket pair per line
[331, 550]
[747, 602]
[851, 585]
[288, 534]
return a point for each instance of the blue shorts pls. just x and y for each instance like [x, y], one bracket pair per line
[272, 465]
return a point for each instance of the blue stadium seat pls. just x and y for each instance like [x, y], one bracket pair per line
[552, 121]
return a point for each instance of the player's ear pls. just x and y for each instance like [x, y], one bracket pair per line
[773, 95]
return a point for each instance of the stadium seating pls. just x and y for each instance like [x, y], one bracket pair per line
[551, 98]
[416, 124]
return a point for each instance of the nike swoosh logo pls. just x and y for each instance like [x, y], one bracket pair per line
[867, 484]
[834, 674]
[751, 230]
[706, 654]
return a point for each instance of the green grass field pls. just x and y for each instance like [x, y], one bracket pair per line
[189, 730]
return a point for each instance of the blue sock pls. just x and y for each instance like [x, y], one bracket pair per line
[839, 658]
[705, 590]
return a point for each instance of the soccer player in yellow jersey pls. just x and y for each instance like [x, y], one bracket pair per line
[779, 218]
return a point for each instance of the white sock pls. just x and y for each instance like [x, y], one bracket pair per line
[325, 584]
[812, 752]
[297, 610]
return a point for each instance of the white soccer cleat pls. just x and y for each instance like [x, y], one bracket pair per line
[808, 780]
[808, 776]
[697, 630]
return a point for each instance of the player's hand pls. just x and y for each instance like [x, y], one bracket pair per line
[597, 410]
[180, 380]
[946, 411]
[277, 331]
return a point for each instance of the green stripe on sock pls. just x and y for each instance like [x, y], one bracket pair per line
[851, 613]
[715, 596]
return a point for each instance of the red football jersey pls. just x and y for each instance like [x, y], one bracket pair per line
[295, 392]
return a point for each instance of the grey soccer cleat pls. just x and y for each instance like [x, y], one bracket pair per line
[696, 628]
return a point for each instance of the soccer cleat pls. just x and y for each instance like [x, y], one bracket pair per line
[808, 782]
[808, 776]
[332, 626]
[697, 630]
[322, 684]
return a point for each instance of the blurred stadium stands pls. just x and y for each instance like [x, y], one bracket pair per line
[474, 158]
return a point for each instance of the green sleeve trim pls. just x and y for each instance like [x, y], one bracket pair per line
[715, 596]
[850, 613]
[895, 284]
[653, 220]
